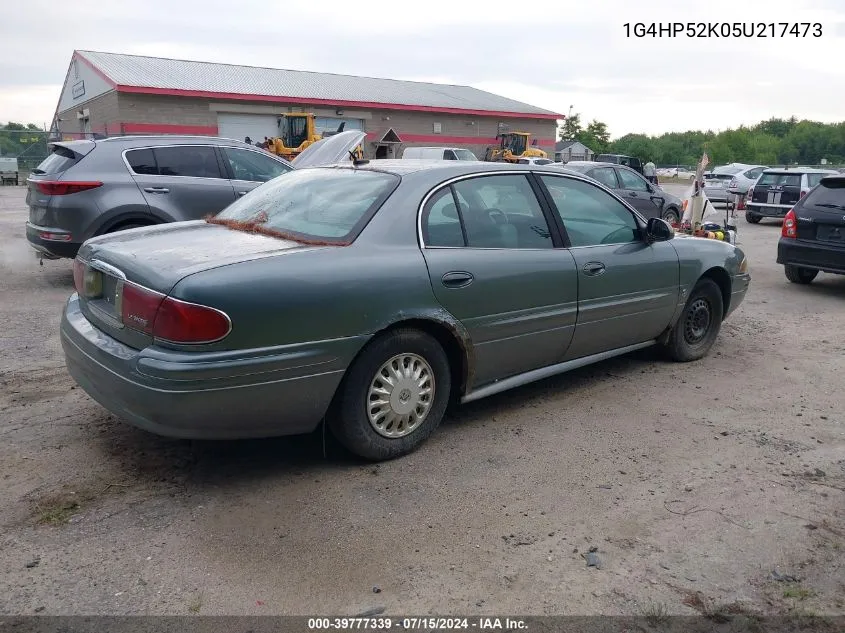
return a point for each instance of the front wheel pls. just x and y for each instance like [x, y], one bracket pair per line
[671, 215]
[798, 275]
[393, 396]
[699, 324]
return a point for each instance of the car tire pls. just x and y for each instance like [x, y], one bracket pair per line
[699, 323]
[394, 427]
[798, 275]
[671, 215]
[752, 218]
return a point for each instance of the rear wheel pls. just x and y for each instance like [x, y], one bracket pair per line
[753, 218]
[699, 325]
[798, 275]
[393, 397]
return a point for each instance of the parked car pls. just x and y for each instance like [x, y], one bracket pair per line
[681, 173]
[93, 187]
[778, 189]
[650, 200]
[813, 233]
[744, 178]
[620, 159]
[372, 294]
[438, 153]
[9, 171]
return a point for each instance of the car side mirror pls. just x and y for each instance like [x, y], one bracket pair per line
[658, 230]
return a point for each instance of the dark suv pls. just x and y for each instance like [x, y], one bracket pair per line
[88, 188]
[778, 189]
[813, 233]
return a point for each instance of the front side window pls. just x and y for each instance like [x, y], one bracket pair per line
[327, 205]
[196, 161]
[632, 181]
[606, 176]
[592, 217]
[253, 166]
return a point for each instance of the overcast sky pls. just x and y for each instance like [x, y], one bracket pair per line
[549, 54]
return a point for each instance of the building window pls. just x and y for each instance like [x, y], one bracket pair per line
[438, 128]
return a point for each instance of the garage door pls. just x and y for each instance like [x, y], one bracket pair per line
[239, 126]
[330, 124]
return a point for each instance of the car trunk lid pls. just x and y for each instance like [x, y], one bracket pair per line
[157, 258]
[52, 169]
[821, 215]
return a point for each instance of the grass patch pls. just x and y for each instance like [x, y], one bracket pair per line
[56, 512]
[800, 593]
[195, 605]
[655, 613]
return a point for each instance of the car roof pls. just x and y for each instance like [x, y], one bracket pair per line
[143, 140]
[798, 170]
[401, 167]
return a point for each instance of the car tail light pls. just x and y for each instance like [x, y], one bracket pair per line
[138, 307]
[733, 183]
[182, 322]
[790, 225]
[64, 188]
[170, 319]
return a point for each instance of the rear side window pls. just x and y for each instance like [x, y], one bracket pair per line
[142, 161]
[195, 161]
[783, 180]
[59, 160]
[754, 174]
[606, 176]
[814, 179]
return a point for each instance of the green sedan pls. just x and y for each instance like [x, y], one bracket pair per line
[370, 295]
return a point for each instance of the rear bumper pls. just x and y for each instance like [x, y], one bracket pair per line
[767, 210]
[51, 247]
[716, 194]
[825, 257]
[188, 395]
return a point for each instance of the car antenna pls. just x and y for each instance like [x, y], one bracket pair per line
[355, 160]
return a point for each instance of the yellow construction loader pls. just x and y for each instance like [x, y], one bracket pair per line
[297, 131]
[513, 146]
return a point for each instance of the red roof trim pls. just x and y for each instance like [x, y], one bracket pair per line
[331, 102]
[102, 75]
[440, 139]
[168, 128]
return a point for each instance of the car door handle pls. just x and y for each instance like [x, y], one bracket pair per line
[633, 194]
[156, 189]
[243, 193]
[593, 268]
[457, 279]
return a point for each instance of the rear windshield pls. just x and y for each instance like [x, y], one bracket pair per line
[312, 205]
[729, 169]
[785, 180]
[59, 160]
[830, 194]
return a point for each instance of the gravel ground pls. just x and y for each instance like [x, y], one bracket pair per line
[695, 482]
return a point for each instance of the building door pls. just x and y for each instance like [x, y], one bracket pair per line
[381, 151]
[240, 126]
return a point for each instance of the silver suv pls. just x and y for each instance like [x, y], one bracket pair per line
[89, 188]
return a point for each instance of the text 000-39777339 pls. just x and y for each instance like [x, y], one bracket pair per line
[722, 29]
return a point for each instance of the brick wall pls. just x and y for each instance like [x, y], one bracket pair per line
[140, 113]
[104, 116]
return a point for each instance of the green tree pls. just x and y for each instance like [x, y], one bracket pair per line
[570, 129]
[596, 136]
